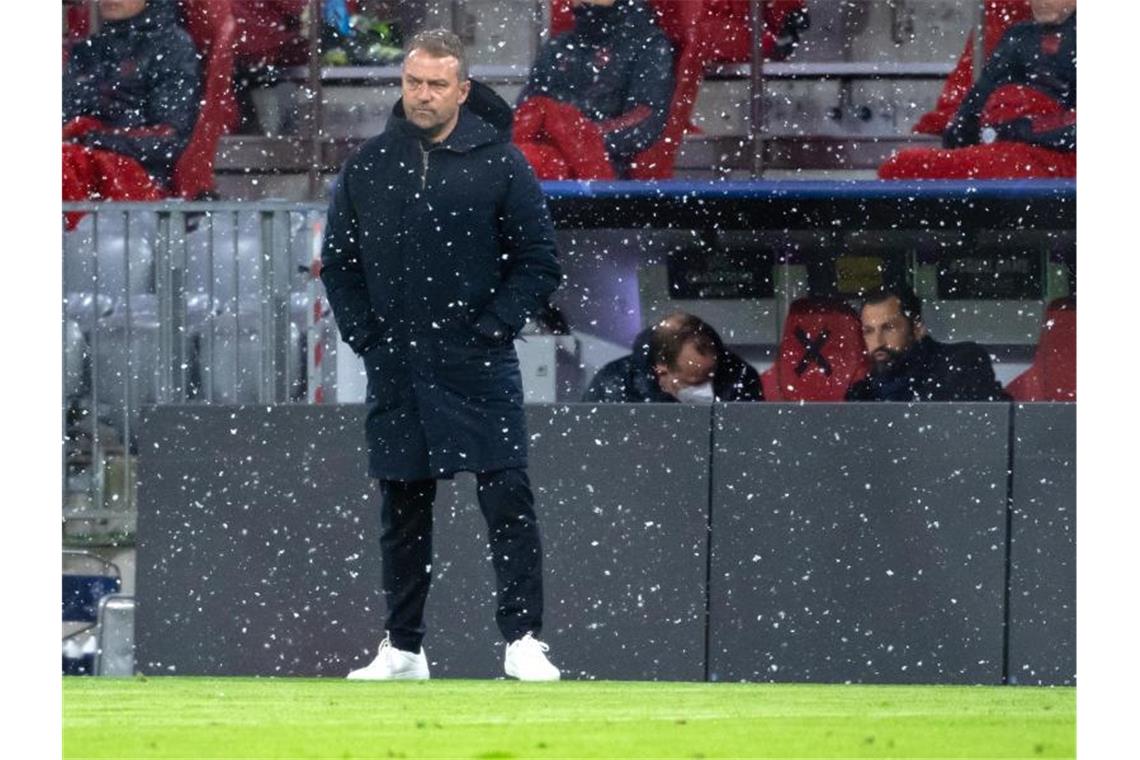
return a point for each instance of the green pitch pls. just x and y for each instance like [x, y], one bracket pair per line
[319, 718]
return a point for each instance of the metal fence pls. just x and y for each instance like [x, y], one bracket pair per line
[177, 303]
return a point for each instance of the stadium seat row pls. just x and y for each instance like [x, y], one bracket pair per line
[821, 353]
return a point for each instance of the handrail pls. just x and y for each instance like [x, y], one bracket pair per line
[739, 189]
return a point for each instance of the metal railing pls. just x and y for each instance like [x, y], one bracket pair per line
[171, 303]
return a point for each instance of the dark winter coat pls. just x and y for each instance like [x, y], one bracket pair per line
[615, 62]
[933, 371]
[141, 78]
[432, 260]
[1041, 56]
[632, 379]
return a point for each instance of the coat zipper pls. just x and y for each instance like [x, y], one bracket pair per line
[423, 178]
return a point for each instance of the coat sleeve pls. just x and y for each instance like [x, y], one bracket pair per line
[173, 92]
[607, 386]
[739, 380]
[859, 391]
[539, 80]
[973, 376]
[342, 273]
[79, 95]
[530, 272]
[647, 104]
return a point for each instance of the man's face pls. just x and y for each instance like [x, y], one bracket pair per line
[693, 369]
[1052, 11]
[117, 10]
[887, 333]
[433, 93]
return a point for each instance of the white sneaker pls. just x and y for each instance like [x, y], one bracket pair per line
[526, 661]
[393, 664]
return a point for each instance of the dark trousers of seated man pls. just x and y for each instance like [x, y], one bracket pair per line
[507, 503]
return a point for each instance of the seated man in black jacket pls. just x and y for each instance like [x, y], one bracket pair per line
[1019, 119]
[130, 101]
[597, 94]
[681, 358]
[909, 365]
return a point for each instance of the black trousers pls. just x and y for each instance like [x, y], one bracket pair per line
[507, 504]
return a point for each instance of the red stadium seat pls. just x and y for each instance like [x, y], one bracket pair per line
[1053, 374]
[78, 22]
[211, 24]
[821, 353]
[703, 32]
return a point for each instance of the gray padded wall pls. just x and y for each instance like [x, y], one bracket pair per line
[258, 546]
[1043, 550]
[622, 498]
[858, 542]
[251, 531]
[258, 543]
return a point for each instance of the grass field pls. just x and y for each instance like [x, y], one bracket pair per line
[325, 718]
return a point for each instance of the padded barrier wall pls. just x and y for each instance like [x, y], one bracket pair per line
[1043, 552]
[859, 542]
[848, 543]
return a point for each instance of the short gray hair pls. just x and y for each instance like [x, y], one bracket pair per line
[439, 43]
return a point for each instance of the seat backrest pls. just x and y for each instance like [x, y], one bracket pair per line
[1053, 374]
[211, 25]
[561, 17]
[78, 19]
[821, 352]
[81, 595]
[1057, 346]
[681, 22]
[89, 579]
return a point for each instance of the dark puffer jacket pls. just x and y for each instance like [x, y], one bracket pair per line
[1040, 56]
[141, 78]
[434, 256]
[616, 67]
[933, 371]
[632, 379]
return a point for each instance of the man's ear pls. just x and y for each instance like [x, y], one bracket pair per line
[464, 90]
[919, 329]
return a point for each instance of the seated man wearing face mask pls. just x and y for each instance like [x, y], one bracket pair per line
[681, 358]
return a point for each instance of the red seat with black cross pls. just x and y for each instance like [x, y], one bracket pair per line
[821, 353]
[1053, 374]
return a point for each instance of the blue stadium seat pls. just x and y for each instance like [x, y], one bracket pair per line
[82, 590]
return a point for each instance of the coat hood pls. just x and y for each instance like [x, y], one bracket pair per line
[157, 14]
[632, 17]
[484, 119]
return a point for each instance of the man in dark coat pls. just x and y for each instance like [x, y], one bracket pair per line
[438, 246]
[130, 101]
[598, 94]
[1019, 119]
[681, 358]
[909, 365]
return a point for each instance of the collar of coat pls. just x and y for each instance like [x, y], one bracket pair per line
[155, 15]
[483, 120]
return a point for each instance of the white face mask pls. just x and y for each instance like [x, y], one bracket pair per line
[697, 394]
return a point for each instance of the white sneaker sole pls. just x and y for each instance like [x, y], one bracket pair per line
[513, 673]
[393, 677]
